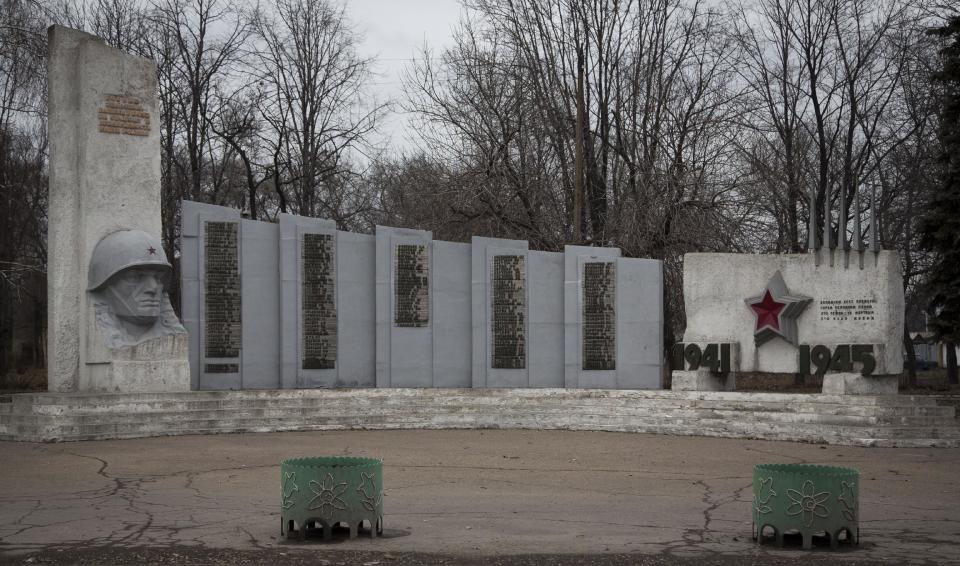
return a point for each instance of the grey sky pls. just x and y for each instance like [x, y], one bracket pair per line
[394, 33]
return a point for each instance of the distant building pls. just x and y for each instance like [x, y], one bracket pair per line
[930, 351]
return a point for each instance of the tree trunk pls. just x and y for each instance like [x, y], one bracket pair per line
[952, 377]
[7, 321]
[39, 330]
[578, 143]
[911, 358]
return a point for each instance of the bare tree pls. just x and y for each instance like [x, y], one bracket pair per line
[237, 122]
[120, 23]
[200, 58]
[313, 81]
[499, 107]
[771, 68]
[22, 177]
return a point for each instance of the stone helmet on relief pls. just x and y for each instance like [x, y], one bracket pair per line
[122, 249]
[128, 276]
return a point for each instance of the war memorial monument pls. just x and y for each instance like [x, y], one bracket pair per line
[296, 325]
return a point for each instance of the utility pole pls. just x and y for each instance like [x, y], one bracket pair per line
[578, 180]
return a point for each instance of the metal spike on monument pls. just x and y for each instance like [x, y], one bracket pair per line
[874, 235]
[812, 230]
[857, 236]
[827, 242]
[842, 241]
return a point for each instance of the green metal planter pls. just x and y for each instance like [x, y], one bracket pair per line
[808, 499]
[326, 491]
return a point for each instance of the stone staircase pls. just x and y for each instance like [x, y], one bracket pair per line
[949, 400]
[895, 421]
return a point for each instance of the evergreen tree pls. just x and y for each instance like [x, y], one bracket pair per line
[941, 223]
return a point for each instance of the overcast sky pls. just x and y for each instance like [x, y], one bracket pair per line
[394, 32]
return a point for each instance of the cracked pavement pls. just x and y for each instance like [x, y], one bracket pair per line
[475, 494]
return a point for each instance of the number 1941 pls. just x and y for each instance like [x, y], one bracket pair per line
[822, 360]
[712, 357]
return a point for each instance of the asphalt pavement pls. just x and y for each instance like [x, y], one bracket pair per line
[458, 497]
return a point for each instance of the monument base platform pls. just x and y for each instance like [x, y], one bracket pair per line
[856, 384]
[861, 420]
[683, 380]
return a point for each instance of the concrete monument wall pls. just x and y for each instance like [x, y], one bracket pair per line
[546, 331]
[299, 304]
[104, 179]
[452, 332]
[357, 320]
[499, 320]
[308, 255]
[211, 297]
[840, 318]
[405, 271]
[260, 304]
[847, 305]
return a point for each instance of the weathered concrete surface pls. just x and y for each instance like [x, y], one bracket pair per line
[104, 176]
[467, 493]
[856, 384]
[716, 285]
[703, 380]
[861, 420]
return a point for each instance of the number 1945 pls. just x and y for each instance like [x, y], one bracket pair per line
[841, 359]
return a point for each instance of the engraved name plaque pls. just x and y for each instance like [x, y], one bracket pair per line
[121, 114]
[221, 291]
[599, 316]
[318, 305]
[411, 286]
[852, 309]
[509, 302]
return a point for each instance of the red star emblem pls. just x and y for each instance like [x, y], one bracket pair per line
[768, 312]
[776, 311]
[152, 250]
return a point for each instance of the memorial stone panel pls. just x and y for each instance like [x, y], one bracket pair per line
[599, 316]
[319, 310]
[411, 286]
[222, 336]
[355, 310]
[801, 302]
[509, 304]
[451, 320]
[104, 178]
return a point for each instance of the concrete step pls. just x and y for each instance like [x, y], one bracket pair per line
[904, 416]
[914, 420]
[113, 406]
[490, 395]
[827, 434]
[548, 416]
[952, 401]
[907, 416]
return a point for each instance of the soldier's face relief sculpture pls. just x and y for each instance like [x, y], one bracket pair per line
[128, 280]
[135, 294]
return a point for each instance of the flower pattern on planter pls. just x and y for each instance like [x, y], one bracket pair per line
[808, 502]
[288, 488]
[327, 496]
[372, 499]
[848, 500]
[760, 501]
